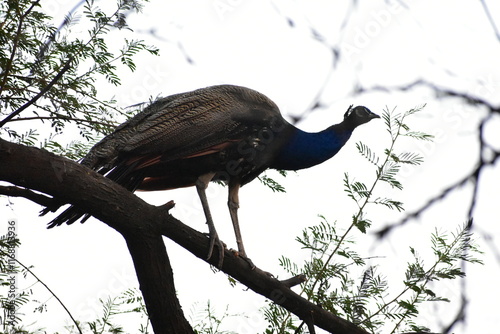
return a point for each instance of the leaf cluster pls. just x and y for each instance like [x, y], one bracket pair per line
[389, 165]
[365, 298]
[129, 301]
[207, 321]
[271, 183]
[450, 250]
[48, 73]
[331, 283]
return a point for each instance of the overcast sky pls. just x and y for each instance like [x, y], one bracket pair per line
[252, 43]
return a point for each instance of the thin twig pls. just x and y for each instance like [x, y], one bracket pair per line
[14, 191]
[65, 118]
[42, 92]
[46, 287]
[14, 46]
[490, 18]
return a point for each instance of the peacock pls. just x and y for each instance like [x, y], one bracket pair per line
[222, 133]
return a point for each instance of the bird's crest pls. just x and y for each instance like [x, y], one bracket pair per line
[349, 111]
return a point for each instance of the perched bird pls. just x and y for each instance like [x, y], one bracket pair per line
[219, 133]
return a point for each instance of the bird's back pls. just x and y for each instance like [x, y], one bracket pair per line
[187, 124]
[219, 129]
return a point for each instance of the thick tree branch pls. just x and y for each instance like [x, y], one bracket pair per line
[155, 276]
[63, 178]
[142, 225]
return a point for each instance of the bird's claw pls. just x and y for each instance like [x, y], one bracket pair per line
[214, 239]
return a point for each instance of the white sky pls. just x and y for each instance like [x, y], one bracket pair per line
[250, 43]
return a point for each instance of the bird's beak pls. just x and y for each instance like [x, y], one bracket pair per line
[373, 115]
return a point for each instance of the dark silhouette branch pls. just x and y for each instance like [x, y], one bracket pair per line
[13, 191]
[42, 92]
[438, 90]
[64, 118]
[295, 280]
[415, 214]
[142, 225]
[490, 19]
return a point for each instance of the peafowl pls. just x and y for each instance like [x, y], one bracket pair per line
[219, 133]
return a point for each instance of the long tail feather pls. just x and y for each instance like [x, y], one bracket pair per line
[121, 174]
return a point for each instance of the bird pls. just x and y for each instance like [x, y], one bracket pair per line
[222, 133]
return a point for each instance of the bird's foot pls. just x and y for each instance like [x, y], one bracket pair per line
[214, 240]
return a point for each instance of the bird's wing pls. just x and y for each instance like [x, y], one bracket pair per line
[196, 121]
[187, 124]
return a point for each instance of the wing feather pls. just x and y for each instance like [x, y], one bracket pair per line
[187, 124]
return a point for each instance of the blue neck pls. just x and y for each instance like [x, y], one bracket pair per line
[304, 150]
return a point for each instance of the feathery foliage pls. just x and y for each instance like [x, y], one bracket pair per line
[129, 301]
[207, 321]
[366, 300]
[114, 309]
[271, 183]
[48, 73]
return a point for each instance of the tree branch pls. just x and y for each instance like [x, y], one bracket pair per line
[439, 91]
[142, 225]
[15, 45]
[64, 118]
[42, 92]
[13, 191]
[490, 19]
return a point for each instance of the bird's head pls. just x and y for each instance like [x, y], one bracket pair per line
[358, 115]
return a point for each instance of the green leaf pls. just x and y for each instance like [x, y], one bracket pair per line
[271, 183]
[361, 224]
[391, 204]
[365, 151]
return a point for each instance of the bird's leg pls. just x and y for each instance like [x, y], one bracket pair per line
[233, 203]
[201, 185]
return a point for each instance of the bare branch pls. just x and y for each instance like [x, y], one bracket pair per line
[490, 18]
[42, 92]
[14, 191]
[440, 92]
[65, 118]
[295, 280]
